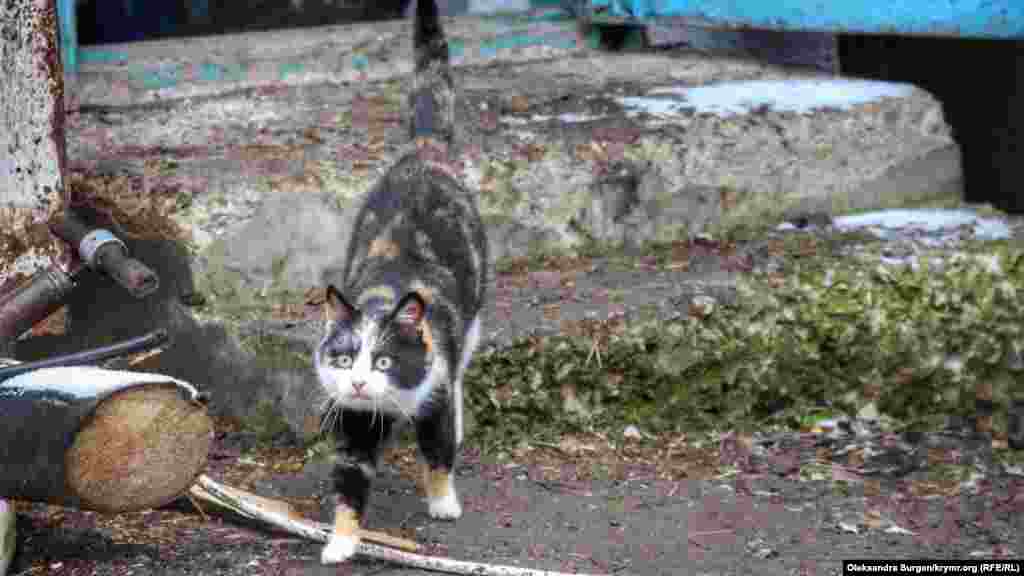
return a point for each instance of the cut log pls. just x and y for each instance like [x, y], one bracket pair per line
[104, 440]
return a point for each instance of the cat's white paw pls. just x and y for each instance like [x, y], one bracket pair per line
[338, 549]
[446, 506]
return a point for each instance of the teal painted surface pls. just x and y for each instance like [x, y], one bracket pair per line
[98, 56]
[68, 29]
[965, 18]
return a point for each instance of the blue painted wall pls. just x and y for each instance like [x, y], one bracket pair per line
[965, 18]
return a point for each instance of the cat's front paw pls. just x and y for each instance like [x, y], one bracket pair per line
[338, 549]
[445, 507]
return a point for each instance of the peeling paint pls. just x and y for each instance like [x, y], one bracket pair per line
[966, 18]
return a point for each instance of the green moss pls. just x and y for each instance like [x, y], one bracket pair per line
[498, 195]
[658, 150]
[272, 351]
[343, 185]
[567, 206]
[832, 325]
[266, 422]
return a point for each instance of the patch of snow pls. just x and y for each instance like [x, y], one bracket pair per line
[943, 223]
[85, 381]
[568, 118]
[653, 106]
[800, 96]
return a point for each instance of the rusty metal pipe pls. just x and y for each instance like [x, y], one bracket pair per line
[32, 301]
[101, 250]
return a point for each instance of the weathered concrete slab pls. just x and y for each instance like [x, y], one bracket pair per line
[564, 151]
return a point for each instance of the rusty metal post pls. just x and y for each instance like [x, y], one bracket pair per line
[32, 301]
[32, 154]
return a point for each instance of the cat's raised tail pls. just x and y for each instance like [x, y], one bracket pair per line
[432, 100]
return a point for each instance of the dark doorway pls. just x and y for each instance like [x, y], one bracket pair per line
[981, 86]
[113, 21]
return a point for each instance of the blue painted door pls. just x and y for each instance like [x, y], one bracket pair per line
[964, 18]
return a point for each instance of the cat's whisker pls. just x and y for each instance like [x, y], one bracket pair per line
[332, 418]
[325, 422]
[399, 407]
[386, 337]
[376, 412]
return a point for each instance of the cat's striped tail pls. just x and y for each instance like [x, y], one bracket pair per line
[433, 93]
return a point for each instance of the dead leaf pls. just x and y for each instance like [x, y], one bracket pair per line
[844, 474]
[728, 197]
[573, 445]
[316, 296]
[904, 376]
[873, 519]
[517, 103]
[872, 487]
[856, 458]
[313, 134]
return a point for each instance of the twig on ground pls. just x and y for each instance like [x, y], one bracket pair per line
[258, 507]
[691, 535]
[280, 515]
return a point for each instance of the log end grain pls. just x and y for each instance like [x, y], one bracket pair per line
[141, 448]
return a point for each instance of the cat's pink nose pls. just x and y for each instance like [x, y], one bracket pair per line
[358, 385]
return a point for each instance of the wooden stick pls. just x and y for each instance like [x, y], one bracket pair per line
[286, 509]
[206, 488]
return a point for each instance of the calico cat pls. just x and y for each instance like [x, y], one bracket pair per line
[402, 330]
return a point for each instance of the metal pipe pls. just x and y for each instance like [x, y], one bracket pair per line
[142, 343]
[33, 301]
[101, 250]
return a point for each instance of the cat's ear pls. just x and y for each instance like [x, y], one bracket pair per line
[410, 311]
[336, 308]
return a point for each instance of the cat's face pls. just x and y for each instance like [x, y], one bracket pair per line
[381, 362]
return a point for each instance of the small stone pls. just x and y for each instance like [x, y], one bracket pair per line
[632, 431]
[702, 306]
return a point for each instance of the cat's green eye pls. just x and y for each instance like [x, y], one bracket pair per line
[343, 361]
[382, 363]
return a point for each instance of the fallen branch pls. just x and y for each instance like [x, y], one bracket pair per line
[274, 515]
[229, 497]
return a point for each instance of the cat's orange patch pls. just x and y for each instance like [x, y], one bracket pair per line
[428, 337]
[425, 292]
[435, 482]
[346, 521]
[383, 248]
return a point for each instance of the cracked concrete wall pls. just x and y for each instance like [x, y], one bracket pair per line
[32, 153]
